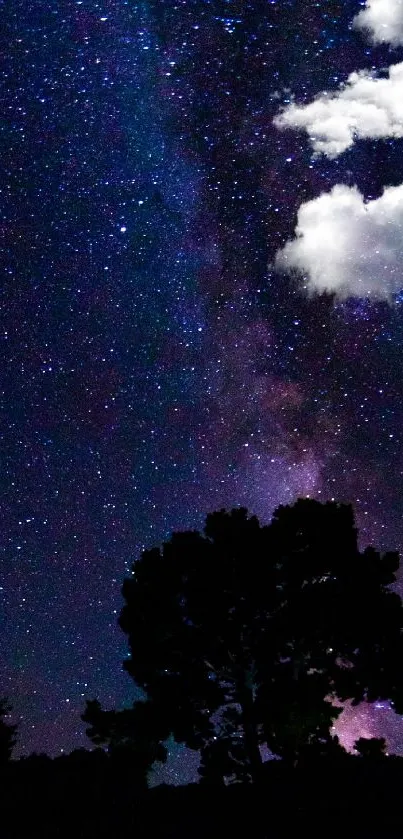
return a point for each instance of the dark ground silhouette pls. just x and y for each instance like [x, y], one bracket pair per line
[88, 796]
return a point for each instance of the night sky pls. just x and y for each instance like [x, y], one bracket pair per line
[166, 346]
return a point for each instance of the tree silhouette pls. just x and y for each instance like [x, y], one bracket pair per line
[372, 748]
[242, 636]
[298, 716]
[7, 733]
[132, 736]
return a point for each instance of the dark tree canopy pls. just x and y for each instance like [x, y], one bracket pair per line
[242, 636]
[7, 733]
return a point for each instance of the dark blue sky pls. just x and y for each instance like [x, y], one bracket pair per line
[153, 366]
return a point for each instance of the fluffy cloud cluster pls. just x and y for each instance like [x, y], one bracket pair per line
[383, 21]
[349, 246]
[366, 107]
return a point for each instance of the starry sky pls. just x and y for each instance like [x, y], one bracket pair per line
[201, 306]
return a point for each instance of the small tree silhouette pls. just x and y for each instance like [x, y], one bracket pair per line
[131, 735]
[7, 733]
[373, 748]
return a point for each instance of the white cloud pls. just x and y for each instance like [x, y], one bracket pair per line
[383, 21]
[349, 246]
[367, 107]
